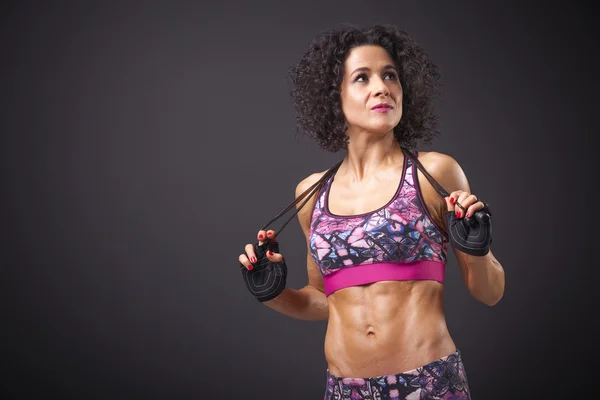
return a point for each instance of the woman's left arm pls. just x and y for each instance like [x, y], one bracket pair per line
[483, 275]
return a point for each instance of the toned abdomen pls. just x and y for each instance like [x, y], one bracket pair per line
[386, 328]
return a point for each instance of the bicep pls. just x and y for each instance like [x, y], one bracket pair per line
[454, 179]
[450, 175]
[315, 279]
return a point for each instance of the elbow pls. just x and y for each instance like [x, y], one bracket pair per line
[494, 294]
[484, 278]
[492, 301]
[491, 292]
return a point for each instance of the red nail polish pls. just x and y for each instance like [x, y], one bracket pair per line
[250, 267]
[270, 253]
[451, 199]
[458, 214]
[253, 259]
[468, 215]
[260, 236]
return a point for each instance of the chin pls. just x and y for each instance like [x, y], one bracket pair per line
[382, 128]
[383, 124]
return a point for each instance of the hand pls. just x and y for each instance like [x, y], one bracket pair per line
[263, 267]
[468, 223]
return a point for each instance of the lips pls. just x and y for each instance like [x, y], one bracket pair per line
[382, 105]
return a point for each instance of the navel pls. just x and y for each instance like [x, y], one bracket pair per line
[371, 332]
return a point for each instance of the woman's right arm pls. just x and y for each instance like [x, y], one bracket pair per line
[308, 303]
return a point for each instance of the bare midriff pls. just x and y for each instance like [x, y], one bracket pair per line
[386, 328]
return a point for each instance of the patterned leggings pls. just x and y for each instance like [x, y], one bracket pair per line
[441, 379]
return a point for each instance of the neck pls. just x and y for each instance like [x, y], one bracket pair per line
[369, 154]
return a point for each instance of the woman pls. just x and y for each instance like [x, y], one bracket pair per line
[376, 230]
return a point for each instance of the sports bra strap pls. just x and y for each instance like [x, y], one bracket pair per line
[442, 192]
[316, 187]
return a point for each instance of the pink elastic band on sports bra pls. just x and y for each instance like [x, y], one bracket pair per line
[387, 271]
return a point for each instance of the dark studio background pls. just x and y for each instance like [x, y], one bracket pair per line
[144, 144]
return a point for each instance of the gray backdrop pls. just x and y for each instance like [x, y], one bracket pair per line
[144, 144]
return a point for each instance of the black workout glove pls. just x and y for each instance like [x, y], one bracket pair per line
[267, 279]
[471, 235]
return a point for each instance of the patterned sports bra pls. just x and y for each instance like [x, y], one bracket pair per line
[398, 241]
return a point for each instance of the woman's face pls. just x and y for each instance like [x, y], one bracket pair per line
[371, 93]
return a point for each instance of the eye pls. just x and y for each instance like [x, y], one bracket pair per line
[361, 78]
[391, 75]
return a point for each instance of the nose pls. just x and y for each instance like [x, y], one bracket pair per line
[380, 88]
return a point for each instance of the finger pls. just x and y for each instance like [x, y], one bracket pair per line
[272, 235]
[467, 200]
[473, 208]
[274, 257]
[460, 203]
[250, 253]
[245, 262]
[451, 199]
[261, 236]
[449, 203]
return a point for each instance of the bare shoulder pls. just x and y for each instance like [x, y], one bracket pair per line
[308, 182]
[445, 170]
[305, 213]
[315, 278]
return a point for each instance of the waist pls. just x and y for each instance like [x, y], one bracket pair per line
[452, 358]
[387, 271]
[385, 327]
[385, 354]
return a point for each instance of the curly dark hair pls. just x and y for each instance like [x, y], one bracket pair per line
[317, 79]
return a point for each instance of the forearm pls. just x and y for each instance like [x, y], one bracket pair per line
[484, 278]
[307, 303]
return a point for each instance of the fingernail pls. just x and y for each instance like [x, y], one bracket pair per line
[269, 234]
[468, 214]
[250, 267]
[253, 259]
[451, 199]
[260, 236]
[457, 214]
[270, 253]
